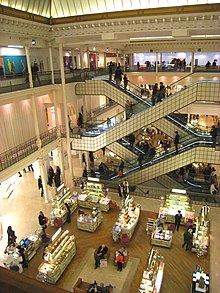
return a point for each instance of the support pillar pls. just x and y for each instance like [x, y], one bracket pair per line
[56, 114]
[156, 62]
[117, 58]
[161, 60]
[87, 57]
[96, 61]
[192, 62]
[73, 59]
[124, 58]
[105, 65]
[36, 126]
[78, 60]
[81, 58]
[65, 110]
[61, 161]
[51, 64]
[43, 173]
[27, 53]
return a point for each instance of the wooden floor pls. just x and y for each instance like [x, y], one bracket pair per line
[179, 264]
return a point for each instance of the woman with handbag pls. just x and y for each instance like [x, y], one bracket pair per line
[43, 221]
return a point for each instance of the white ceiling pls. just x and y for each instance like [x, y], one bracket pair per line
[64, 8]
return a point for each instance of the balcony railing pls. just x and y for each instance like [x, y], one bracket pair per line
[48, 136]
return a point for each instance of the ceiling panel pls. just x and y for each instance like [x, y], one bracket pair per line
[62, 8]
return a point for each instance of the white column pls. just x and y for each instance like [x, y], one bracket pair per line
[27, 53]
[77, 60]
[124, 58]
[192, 62]
[43, 173]
[61, 162]
[161, 59]
[87, 55]
[56, 114]
[65, 109]
[73, 59]
[105, 65]
[117, 59]
[96, 61]
[81, 58]
[51, 64]
[36, 126]
[156, 62]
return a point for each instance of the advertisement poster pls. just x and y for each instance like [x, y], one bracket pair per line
[15, 65]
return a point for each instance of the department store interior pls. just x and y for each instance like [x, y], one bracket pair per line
[110, 125]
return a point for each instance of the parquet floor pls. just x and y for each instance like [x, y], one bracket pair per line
[179, 264]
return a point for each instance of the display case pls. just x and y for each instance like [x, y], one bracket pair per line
[127, 219]
[200, 281]
[176, 201]
[91, 221]
[94, 195]
[153, 274]
[201, 235]
[59, 212]
[162, 238]
[56, 258]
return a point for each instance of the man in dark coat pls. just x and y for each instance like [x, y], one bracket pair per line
[176, 140]
[40, 185]
[188, 239]
[178, 218]
[102, 250]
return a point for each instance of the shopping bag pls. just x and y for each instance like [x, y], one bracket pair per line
[120, 173]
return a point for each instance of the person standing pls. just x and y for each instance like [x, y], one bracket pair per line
[120, 189]
[121, 166]
[40, 186]
[138, 66]
[125, 188]
[188, 236]
[140, 159]
[91, 159]
[118, 76]
[110, 70]
[178, 218]
[68, 213]
[155, 94]
[176, 140]
[162, 91]
[125, 82]
[214, 134]
[131, 139]
[42, 221]
[120, 259]
[80, 120]
[11, 236]
[57, 178]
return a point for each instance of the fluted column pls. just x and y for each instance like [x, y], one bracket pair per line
[36, 125]
[27, 53]
[43, 173]
[192, 62]
[51, 64]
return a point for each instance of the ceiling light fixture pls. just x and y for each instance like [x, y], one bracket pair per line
[205, 36]
[16, 46]
[150, 38]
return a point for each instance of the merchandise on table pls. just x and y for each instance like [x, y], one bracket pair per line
[59, 212]
[56, 258]
[200, 281]
[153, 273]
[162, 237]
[201, 235]
[127, 219]
[94, 195]
[91, 221]
[176, 201]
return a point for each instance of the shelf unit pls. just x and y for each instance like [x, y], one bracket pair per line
[57, 257]
[151, 225]
[153, 274]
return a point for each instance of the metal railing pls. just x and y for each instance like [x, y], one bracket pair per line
[17, 153]
[48, 136]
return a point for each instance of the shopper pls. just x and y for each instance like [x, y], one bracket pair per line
[120, 259]
[131, 139]
[214, 134]
[178, 218]
[101, 252]
[162, 92]
[125, 82]
[91, 159]
[11, 236]
[42, 221]
[68, 213]
[188, 239]
[118, 76]
[176, 140]
[140, 159]
[110, 70]
[40, 186]
[120, 189]
[80, 120]
[121, 166]
[50, 175]
[57, 179]
[125, 188]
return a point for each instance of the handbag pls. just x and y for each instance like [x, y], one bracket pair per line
[46, 219]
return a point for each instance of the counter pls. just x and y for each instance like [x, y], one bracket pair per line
[195, 282]
[89, 222]
[153, 274]
[90, 202]
[57, 257]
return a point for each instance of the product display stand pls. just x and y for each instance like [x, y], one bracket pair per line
[177, 200]
[200, 281]
[90, 222]
[94, 195]
[162, 238]
[58, 216]
[57, 257]
[153, 274]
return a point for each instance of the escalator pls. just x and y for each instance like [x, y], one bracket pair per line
[94, 139]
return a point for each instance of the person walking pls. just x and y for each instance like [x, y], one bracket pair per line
[162, 92]
[121, 166]
[118, 76]
[178, 218]
[40, 186]
[176, 140]
[155, 94]
[188, 236]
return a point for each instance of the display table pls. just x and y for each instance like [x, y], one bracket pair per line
[59, 212]
[174, 202]
[127, 219]
[153, 274]
[93, 195]
[57, 256]
[162, 238]
[195, 282]
[89, 222]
